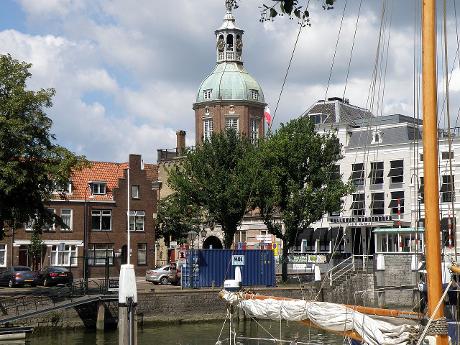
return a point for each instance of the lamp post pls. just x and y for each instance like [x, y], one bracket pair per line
[85, 239]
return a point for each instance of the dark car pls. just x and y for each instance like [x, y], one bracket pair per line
[54, 275]
[18, 276]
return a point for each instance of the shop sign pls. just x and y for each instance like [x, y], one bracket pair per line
[360, 220]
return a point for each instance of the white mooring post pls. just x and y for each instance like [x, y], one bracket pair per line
[127, 302]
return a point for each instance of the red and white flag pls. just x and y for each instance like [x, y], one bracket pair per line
[267, 115]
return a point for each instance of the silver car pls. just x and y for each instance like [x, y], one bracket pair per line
[163, 275]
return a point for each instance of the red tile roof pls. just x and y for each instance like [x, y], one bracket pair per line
[108, 172]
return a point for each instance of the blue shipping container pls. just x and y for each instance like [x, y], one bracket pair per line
[210, 267]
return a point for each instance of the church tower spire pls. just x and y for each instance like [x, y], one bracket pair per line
[229, 38]
[229, 98]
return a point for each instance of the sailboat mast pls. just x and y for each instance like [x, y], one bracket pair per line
[430, 166]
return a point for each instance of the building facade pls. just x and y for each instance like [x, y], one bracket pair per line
[94, 209]
[383, 159]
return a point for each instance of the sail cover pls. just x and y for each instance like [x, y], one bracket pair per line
[328, 316]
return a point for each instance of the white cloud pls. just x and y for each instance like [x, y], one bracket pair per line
[147, 58]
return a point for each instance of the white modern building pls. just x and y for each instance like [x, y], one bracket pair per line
[383, 158]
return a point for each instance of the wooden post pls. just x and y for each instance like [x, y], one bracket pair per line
[100, 321]
[430, 166]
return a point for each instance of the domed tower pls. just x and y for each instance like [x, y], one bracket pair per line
[229, 97]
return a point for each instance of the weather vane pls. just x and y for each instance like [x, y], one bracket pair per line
[229, 5]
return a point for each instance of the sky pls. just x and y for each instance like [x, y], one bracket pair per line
[126, 72]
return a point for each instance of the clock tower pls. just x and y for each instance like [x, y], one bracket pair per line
[229, 97]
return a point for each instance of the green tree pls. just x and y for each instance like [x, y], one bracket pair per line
[217, 177]
[298, 181]
[291, 8]
[176, 218]
[36, 249]
[31, 164]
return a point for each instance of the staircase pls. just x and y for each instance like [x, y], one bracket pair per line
[351, 282]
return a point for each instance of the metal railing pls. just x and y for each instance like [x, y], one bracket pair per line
[341, 269]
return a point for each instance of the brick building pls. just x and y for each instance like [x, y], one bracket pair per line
[94, 206]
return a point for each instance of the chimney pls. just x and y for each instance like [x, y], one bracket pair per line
[180, 142]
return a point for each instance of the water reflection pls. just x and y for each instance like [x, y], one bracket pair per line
[190, 334]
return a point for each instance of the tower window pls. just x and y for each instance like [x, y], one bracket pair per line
[255, 94]
[230, 42]
[231, 123]
[207, 94]
[207, 129]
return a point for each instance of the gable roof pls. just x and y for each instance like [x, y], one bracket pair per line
[108, 172]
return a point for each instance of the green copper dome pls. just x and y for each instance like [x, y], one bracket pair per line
[230, 81]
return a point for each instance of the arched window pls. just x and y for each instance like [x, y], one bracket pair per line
[230, 42]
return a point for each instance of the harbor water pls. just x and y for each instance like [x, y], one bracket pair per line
[189, 334]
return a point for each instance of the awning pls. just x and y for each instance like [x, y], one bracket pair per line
[320, 233]
[306, 234]
[395, 172]
[336, 234]
[397, 230]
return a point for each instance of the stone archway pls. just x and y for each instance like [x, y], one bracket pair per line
[212, 242]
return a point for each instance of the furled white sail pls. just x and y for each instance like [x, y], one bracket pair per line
[328, 316]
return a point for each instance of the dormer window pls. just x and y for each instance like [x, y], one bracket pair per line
[63, 188]
[98, 188]
[207, 94]
[318, 118]
[376, 137]
[255, 95]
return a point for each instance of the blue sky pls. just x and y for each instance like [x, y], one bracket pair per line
[126, 71]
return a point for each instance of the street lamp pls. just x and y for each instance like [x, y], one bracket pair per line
[86, 238]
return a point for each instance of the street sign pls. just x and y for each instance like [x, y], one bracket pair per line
[238, 260]
[113, 285]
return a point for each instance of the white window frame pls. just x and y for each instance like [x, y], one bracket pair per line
[3, 250]
[29, 226]
[232, 122]
[207, 94]
[98, 188]
[136, 218]
[207, 128]
[93, 259]
[62, 256]
[100, 214]
[70, 228]
[135, 191]
[144, 250]
[53, 226]
[255, 94]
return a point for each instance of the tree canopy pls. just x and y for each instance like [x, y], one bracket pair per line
[298, 181]
[217, 177]
[291, 8]
[32, 166]
[176, 218]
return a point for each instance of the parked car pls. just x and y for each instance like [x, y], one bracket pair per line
[163, 275]
[54, 275]
[18, 276]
